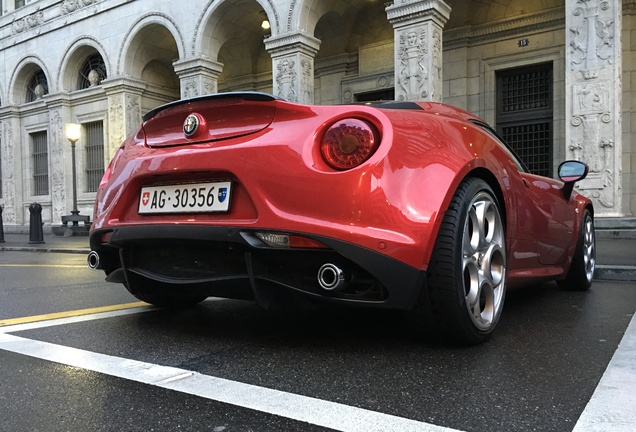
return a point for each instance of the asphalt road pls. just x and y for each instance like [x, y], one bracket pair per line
[231, 366]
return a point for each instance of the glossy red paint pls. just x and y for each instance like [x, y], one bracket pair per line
[391, 204]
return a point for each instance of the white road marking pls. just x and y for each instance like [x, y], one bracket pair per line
[613, 404]
[297, 407]
[74, 319]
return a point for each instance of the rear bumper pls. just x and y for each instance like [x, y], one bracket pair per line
[232, 262]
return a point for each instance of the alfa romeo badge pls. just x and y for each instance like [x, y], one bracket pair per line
[190, 125]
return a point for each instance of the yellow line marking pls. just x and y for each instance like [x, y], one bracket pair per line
[45, 265]
[67, 314]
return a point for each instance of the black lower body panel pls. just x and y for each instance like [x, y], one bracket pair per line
[231, 262]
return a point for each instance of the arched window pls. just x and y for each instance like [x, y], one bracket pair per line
[92, 73]
[38, 87]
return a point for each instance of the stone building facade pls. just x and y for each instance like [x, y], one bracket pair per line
[554, 77]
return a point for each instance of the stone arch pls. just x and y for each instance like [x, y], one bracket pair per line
[356, 45]
[342, 25]
[24, 71]
[153, 43]
[231, 34]
[211, 33]
[74, 58]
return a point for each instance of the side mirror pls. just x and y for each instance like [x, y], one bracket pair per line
[570, 172]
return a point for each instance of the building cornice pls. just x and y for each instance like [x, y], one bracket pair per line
[405, 11]
[552, 19]
[290, 42]
[124, 84]
[44, 16]
[197, 66]
[629, 7]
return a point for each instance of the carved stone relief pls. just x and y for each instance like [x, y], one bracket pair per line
[190, 89]
[307, 81]
[28, 22]
[198, 76]
[593, 83]
[115, 122]
[8, 187]
[286, 79]
[69, 6]
[411, 62]
[58, 195]
[133, 113]
[418, 50]
[436, 91]
[292, 65]
[210, 86]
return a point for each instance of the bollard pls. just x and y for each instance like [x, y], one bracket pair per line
[1, 227]
[36, 235]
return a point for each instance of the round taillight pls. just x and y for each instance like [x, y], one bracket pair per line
[348, 143]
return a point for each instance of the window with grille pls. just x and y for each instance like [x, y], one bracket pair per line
[94, 154]
[40, 157]
[380, 95]
[38, 87]
[19, 3]
[525, 113]
[95, 63]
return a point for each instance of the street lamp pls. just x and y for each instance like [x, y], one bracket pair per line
[73, 132]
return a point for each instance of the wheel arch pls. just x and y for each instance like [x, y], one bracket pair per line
[480, 172]
[487, 176]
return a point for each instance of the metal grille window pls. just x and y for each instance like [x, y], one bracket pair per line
[38, 87]
[524, 114]
[380, 95]
[93, 72]
[526, 91]
[94, 154]
[19, 3]
[531, 143]
[40, 155]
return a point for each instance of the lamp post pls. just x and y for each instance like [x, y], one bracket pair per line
[73, 133]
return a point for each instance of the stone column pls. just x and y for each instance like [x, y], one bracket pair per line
[60, 154]
[418, 26]
[124, 110]
[198, 77]
[293, 66]
[593, 98]
[11, 141]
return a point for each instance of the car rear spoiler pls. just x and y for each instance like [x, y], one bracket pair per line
[248, 96]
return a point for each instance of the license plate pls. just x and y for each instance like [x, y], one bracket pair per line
[186, 198]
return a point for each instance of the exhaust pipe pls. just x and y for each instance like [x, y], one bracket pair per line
[331, 277]
[93, 260]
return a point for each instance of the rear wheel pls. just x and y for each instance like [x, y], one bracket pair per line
[466, 278]
[581, 273]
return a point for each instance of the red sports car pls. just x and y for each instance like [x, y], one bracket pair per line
[400, 205]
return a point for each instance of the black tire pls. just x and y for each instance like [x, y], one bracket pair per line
[581, 273]
[466, 278]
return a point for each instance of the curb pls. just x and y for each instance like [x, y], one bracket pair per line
[43, 249]
[616, 234]
[615, 273]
